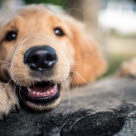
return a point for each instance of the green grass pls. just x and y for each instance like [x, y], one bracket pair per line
[114, 63]
[55, 2]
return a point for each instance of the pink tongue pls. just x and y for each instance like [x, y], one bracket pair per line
[42, 91]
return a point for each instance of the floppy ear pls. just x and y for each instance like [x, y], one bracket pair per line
[89, 62]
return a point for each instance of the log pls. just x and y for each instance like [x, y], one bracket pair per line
[105, 108]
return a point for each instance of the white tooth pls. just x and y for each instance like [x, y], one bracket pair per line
[41, 93]
[48, 92]
[29, 89]
[55, 86]
[52, 91]
[34, 92]
[38, 93]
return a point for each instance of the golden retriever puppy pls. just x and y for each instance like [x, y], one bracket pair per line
[39, 52]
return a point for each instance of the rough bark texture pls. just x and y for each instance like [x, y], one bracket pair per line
[105, 108]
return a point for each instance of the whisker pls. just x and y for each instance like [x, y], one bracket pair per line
[5, 62]
[72, 70]
[69, 97]
[83, 56]
[1, 66]
[19, 92]
[7, 84]
[15, 87]
[21, 96]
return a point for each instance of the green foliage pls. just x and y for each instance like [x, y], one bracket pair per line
[114, 63]
[55, 2]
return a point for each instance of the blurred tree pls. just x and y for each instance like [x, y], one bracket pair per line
[7, 7]
[86, 11]
[75, 8]
[11, 4]
[56, 2]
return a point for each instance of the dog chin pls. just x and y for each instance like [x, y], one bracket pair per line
[44, 95]
[43, 107]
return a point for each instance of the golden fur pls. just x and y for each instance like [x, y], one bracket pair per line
[80, 58]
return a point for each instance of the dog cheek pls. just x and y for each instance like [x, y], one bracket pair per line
[18, 71]
[4, 65]
[4, 73]
[62, 70]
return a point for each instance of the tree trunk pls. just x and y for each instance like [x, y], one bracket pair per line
[86, 11]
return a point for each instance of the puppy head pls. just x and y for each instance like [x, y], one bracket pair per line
[40, 51]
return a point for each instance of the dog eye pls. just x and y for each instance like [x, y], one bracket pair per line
[11, 36]
[58, 31]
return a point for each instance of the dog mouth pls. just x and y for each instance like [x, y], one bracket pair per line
[40, 93]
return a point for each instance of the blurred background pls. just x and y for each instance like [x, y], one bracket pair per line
[111, 22]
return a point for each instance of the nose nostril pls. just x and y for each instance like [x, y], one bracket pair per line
[33, 66]
[50, 57]
[34, 58]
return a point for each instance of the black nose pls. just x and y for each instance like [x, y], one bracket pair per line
[40, 58]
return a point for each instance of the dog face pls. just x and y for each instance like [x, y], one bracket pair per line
[40, 51]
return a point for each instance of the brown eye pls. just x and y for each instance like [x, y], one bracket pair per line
[58, 31]
[11, 36]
